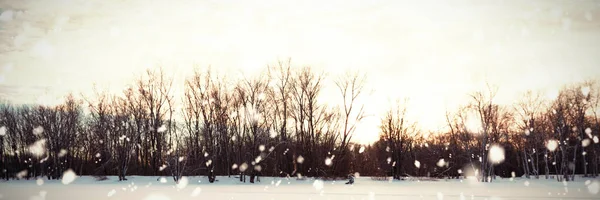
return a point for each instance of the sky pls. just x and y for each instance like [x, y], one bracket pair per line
[432, 52]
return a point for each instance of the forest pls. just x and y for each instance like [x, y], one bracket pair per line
[277, 124]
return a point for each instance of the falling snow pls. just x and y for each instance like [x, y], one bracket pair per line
[588, 131]
[300, 159]
[38, 148]
[586, 142]
[552, 145]
[38, 131]
[594, 187]
[361, 150]
[2, 131]
[417, 164]
[258, 159]
[22, 174]
[111, 193]
[62, 153]
[261, 148]
[39, 181]
[68, 177]
[162, 129]
[243, 167]
[318, 185]
[182, 183]
[441, 163]
[496, 154]
[328, 162]
[196, 192]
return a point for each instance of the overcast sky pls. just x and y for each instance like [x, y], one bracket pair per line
[434, 52]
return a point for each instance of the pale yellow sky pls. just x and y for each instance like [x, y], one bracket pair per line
[434, 52]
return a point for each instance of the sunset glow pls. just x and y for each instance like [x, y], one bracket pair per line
[432, 52]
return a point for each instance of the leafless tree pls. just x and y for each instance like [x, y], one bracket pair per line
[396, 129]
[280, 98]
[351, 87]
[483, 105]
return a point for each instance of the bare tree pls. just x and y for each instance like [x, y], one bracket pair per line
[529, 111]
[483, 105]
[351, 87]
[280, 98]
[396, 130]
[154, 89]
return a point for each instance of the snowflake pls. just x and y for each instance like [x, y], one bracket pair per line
[38, 148]
[593, 188]
[318, 184]
[441, 163]
[62, 153]
[361, 150]
[258, 159]
[68, 177]
[162, 129]
[111, 193]
[38, 130]
[552, 145]
[586, 142]
[243, 167]
[328, 162]
[196, 192]
[182, 183]
[417, 164]
[300, 159]
[496, 154]
[39, 181]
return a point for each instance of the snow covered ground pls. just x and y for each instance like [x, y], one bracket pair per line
[148, 188]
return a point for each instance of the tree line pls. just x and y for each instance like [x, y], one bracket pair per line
[277, 124]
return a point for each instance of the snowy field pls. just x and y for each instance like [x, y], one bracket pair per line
[148, 188]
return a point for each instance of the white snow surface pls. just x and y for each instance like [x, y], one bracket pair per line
[198, 187]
